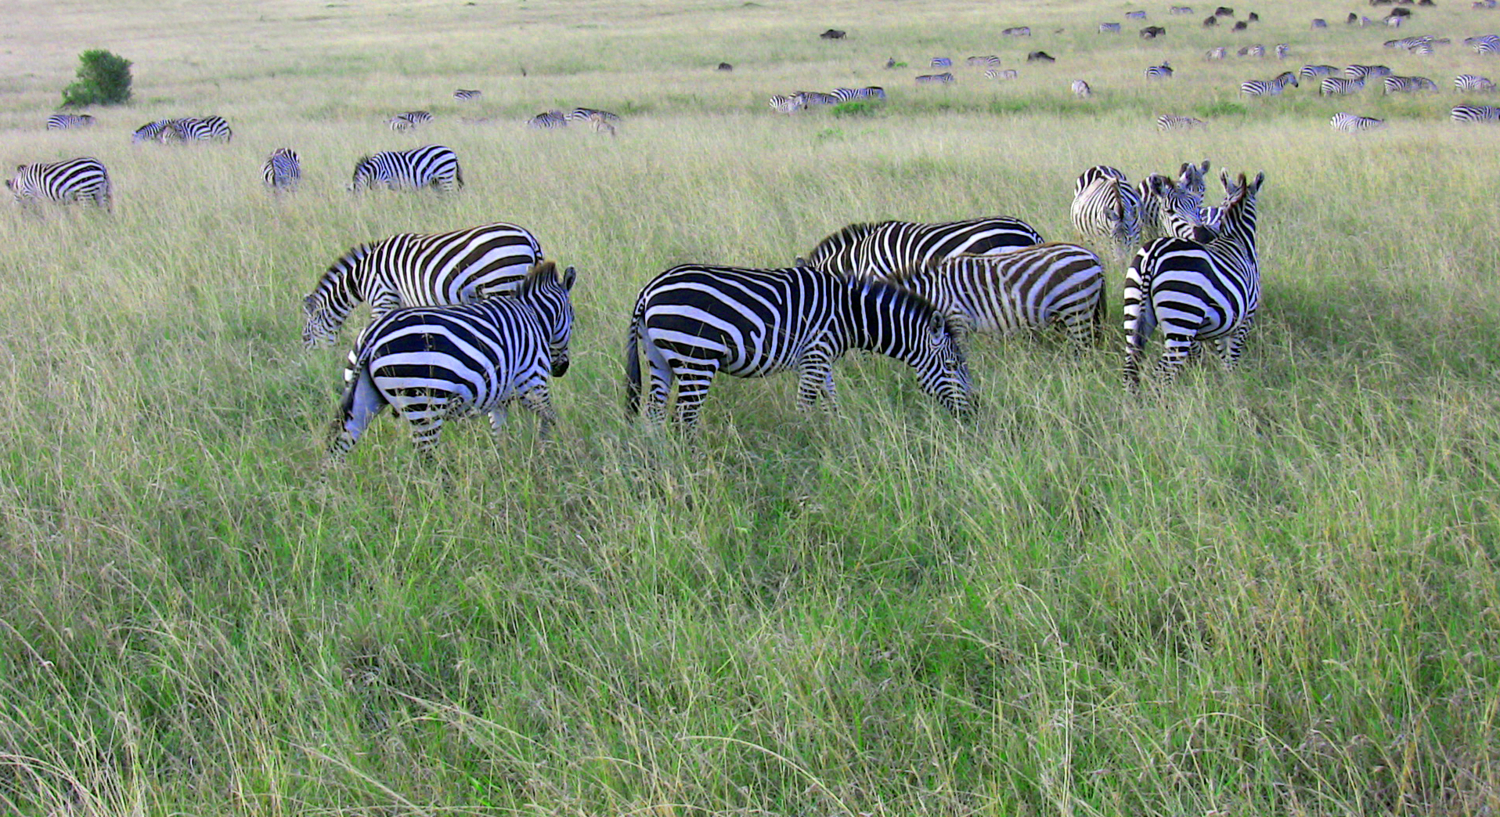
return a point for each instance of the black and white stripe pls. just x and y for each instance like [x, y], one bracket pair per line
[467, 94]
[1484, 43]
[1171, 121]
[1003, 73]
[1475, 113]
[1407, 85]
[81, 179]
[548, 120]
[69, 121]
[869, 92]
[403, 122]
[282, 170]
[935, 79]
[1163, 71]
[990, 61]
[1358, 71]
[817, 99]
[1315, 71]
[1109, 28]
[1197, 292]
[1473, 82]
[697, 321]
[151, 131]
[435, 364]
[1336, 86]
[1271, 87]
[1173, 208]
[192, 129]
[1135, 15]
[942, 62]
[410, 269]
[1353, 123]
[1081, 89]
[1218, 52]
[592, 115]
[893, 249]
[1106, 206]
[786, 103]
[433, 165]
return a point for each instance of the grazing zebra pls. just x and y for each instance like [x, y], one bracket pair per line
[1408, 43]
[786, 103]
[1216, 53]
[435, 364]
[935, 79]
[467, 94]
[403, 122]
[192, 129]
[870, 92]
[1017, 31]
[549, 120]
[1272, 87]
[1334, 86]
[433, 165]
[1484, 44]
[590, 114]
[69, 121]
[1135, 15]
[282, 170]
[1315, 71]
[1197, 291]
[983, 62]
[81, 179]
[1081, 89]
[1357, 71]
[408, 269]
[1400, 85]
[1170, 121]
[1475, 113]
[1109, 28]
[1253, 51]
[1472, 82]
[1181, 10]
[1283, 51]
[942, 62]
[1163, 71]
[1106, 206]
[813, 99]
[893, 249]
[696, 321]
[1353, 123]
[1007, 73]
[1423, 49]
[150, 132]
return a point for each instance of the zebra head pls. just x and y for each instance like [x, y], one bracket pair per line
[1239, 219]
[331, 301]
[1179, 209]
[364, 174]
[908, 327]
[1194, 178]
[548, 293]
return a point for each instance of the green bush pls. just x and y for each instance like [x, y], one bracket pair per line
[857, 107]
[103, 79]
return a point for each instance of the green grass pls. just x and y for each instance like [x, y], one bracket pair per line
[1271, 591]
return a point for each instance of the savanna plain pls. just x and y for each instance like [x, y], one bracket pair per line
[1265, 591]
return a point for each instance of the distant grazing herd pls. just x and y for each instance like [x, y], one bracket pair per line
[475, 320]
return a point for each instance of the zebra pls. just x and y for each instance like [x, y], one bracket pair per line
[1395, 84]
[467, 94]
[891, 249]
[1408, 43]
[1484, 44]
[1334, 86]
[403, 122]
[409, 269]
[1173, 207]
[1181, 10]
[589, 115]
[870, 92]
[81, 179]
[983, 62]
[1283, 51]
[813, 99]
[282, 170]
[69, 121]
[1472, 82]
[1216, 53]
[935, 79]
[1106, 206]
[438, 363]
[942, 62]
[1315, 71]
[1109, 28]
[1272, 87]
[1081, 89]
[1170, 122]
[1253, 51]
[1006, 73]
[1475, 113]
[1358, 71]
[787, 103]
[1353, 123]
[548, 120]
[1135, 15]
[1425, 49]
[433, 165]
[192, 129]
[601, 124]
[150, 132]
[1197, 291]
[1163, 71]
[1017, 31]
[696, 321]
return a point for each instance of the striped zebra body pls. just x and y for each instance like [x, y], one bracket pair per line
[1170, 122]
[1197, 292]
[1081, 89]
[697, 321]
[817, 99]
[192, 129]
[1135, 15]
[549, 120]
[870, 92]
[1335, 86]
[895, 249]
[467, 94]
[435, 364]
[1484, 44]
[1272, 87]
[1357, 71]
[592, 115]
[1094, 174]
[942, 62]
[1216, 53]
[1407, 85]
[1017, 31]
[1475, 113]
[1423, 49]
[403, 122]
[433, 165]
[786, 103]
[1408, 43]
[1472, 82]
[1173, 208]
[1253, 51]
[69, 121]
[1004, 73]
[81, 179]
[150, 132]
[1353, 123]
[408, 269]
[1163, 71]
[1106, 206]
[983, 62]
[282, 170]
[1315, 71]
[1109, 28]
[935, 79]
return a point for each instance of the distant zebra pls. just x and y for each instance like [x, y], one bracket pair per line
[436, 364]
[433, 165]
[1017, 31]
[893, 249]
[192, 129]
[1216, 53]
[786, 103]
[1315, 71]
[983, 62]
[1283, 51]
[1484, 44]
[1081, 89]
[697, 321]
[1353, 123]
[1472, 82]
[1408, 43]
[1181, 10]
[1334, 86]
[1405, 85]
[600, 124]
[1170, 122]
[1423, 49]
[1198, 292]
[1475, 113]
[410, 269]
[69, 121]
[1109, 28]
[814, 99]
[282, 170]
[942, 62]
[467, 94]
[1258, 51]
[403, 122]
[549, 120]
[1272, 87]
[1319, 22]
[591, 114]
[1031, 288]
[1005, 73]
[1357, 71]
[870, 92]
[81, 179]
[151, 131]
[1135, 15]
[1163, 71]
[935, 79]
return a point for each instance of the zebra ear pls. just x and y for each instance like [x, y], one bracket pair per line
[1260, 178]
[570, 275]
[1224, 179]
[938, 326]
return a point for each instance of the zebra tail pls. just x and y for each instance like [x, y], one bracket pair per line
[633, 364]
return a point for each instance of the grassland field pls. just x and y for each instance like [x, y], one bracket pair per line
[1267, 591]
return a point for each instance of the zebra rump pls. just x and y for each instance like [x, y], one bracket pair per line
[282, 170]
[81, 179]
[894, 249]
[433, 165]
[1475, 113]
[403, 122]
[548, 120]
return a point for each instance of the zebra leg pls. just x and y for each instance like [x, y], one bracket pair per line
[816, 379]
[1179, 349]
[1230, 347]
[426, 411]
[692, 387]
[497, 419]
[361, 404]
[661, 384]
[1140, 322]
[539, 400]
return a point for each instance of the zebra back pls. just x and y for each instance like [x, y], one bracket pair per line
[69, 121]
[1475, 113]
[1028, 289]
[890, 249]
[433, 165]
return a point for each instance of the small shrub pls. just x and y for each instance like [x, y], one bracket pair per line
[103, 79]
[1221, 108]
[857, 107]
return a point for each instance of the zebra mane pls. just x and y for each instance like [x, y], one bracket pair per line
[541, 274]
[914, 301]
[849, 233]
[342, 268]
